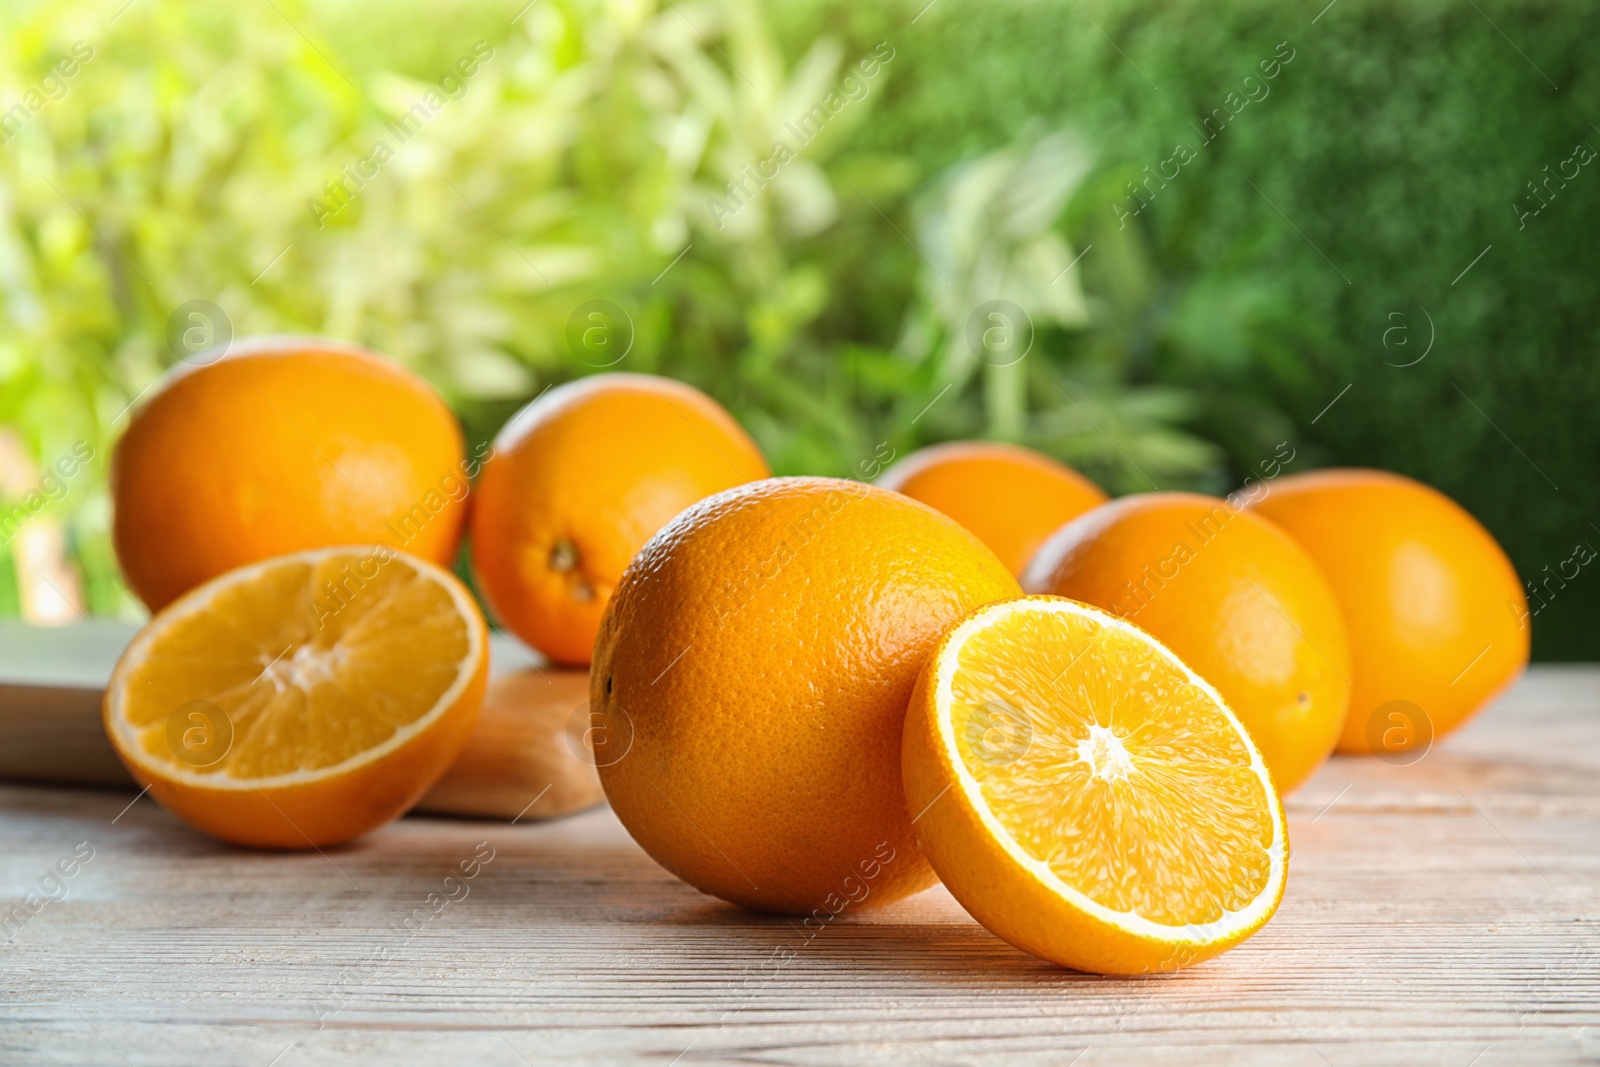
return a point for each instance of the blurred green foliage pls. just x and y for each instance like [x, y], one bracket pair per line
[988, 157]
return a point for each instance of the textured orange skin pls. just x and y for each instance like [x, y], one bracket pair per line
[764, 765]
[1423, 586]
[601, 464]
[282, 445]
[992, 886]
[1214, 612]
[1012, 498]
[323, 812]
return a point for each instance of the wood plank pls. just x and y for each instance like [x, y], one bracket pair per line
[1443, 913]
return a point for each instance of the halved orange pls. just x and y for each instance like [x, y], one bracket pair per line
[303, 700]
[1085, 795]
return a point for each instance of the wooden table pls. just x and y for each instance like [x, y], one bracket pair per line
[1442, 913]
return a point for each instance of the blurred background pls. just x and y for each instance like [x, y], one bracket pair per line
[1216, 241]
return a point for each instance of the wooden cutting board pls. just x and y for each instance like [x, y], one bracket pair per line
[527, 757]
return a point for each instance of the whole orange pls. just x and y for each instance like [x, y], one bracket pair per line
[1233, 596]
[283, 444]
[1012, 498]
[579, 480]
[1436, 614]
[751, 681]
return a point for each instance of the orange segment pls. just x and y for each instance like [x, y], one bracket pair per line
[1087, 796]
[303, 700]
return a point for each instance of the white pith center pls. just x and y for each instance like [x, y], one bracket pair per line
[304, 668]
[1105, 754]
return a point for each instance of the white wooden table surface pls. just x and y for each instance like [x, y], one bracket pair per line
[1442, 913]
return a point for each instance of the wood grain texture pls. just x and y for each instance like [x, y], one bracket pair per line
[529, 755]
[1442, 913]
